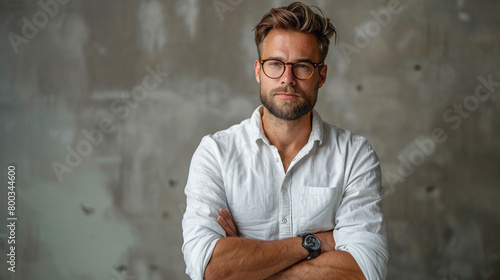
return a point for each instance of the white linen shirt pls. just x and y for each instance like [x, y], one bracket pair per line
[334, 182]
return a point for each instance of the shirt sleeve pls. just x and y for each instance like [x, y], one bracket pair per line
[359, 227]
[205, 194]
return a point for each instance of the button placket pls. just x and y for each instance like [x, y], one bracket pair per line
[285, 222]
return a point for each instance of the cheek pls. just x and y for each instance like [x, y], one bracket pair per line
[264, 86]
[263, 89]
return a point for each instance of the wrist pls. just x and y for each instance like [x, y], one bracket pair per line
[312, 245]
[327, 241]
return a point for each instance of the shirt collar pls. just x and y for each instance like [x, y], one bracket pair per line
[258, 133]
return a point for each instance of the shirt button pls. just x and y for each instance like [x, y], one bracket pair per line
[283, 190]
[277, 160]
[283, 221]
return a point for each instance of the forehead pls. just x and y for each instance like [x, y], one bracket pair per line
[290, 45]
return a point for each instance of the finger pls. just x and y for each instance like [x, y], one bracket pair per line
[224, 213]
[235, 228]
[223, 216]
[221, 221]
[229, 226]
[225, 226]
[229, 222]
[227, 216]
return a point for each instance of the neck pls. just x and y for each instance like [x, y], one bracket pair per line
[286, 135]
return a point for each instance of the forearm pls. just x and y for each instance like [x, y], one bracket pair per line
[328, 265]
[243, 258]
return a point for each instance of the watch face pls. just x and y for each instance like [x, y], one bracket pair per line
[312, 242]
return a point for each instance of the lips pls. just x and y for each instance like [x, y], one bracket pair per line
[286, 95]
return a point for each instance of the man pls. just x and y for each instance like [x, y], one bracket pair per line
[284, 195]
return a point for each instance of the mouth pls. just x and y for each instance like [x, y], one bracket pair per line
[286, 95]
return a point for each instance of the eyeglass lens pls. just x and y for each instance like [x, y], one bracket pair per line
[275, 68]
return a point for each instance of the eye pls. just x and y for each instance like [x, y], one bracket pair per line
[303, 65]
[274, 63]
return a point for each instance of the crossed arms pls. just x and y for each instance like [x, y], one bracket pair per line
[235, 257]
[213, 248]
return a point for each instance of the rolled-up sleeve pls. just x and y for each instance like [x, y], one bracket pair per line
[205, 195]
[359, 227]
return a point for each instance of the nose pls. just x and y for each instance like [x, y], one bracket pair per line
[288, 78]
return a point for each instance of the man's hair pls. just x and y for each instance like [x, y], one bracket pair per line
[299, 17]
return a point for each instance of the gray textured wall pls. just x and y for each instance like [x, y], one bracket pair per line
[103, 103]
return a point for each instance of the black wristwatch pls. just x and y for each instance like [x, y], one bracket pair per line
[312, 244]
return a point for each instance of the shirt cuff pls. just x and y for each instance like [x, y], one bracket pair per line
[196, 268]
[369, 250]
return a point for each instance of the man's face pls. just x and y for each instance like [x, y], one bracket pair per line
[287, 97]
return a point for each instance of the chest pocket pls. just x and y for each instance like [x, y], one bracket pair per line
[318, 206]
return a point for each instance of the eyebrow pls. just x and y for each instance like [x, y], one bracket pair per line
[297, 60]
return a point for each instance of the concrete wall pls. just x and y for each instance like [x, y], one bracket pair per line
[103, 103]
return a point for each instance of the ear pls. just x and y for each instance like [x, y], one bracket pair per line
[322, 75]
[257, 66]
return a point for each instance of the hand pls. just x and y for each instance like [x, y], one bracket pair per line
[226, 221]
[327, 241]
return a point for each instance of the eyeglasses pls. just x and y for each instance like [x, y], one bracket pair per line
[302, 70]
